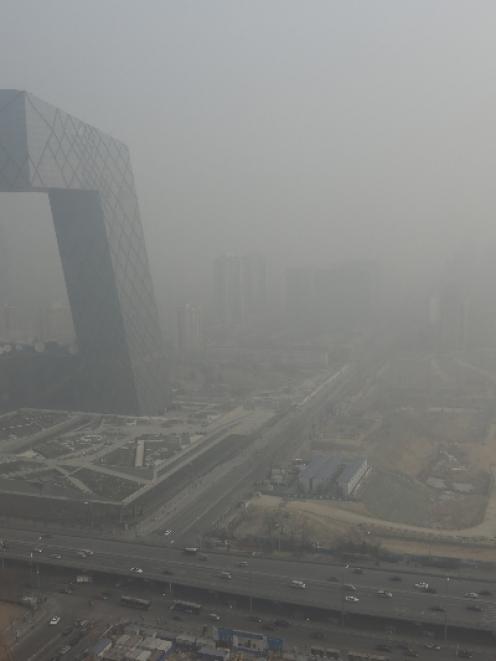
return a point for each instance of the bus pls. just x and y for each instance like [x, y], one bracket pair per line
[186, 607]
[135, 602]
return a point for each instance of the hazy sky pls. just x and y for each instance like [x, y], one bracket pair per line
[313, 130]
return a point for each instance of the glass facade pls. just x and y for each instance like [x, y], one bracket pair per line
[89, 181]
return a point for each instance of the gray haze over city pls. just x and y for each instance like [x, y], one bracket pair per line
[312, 132]
[247, 330]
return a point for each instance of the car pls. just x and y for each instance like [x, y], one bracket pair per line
[333, 579]
[136, 570]
[243, 563]
[464, 653]
[281, 623]
[352, 598]
[81, 554]
[382, 647]
[255, 618]
[167, 532]
[357, 570]
[421, 585]
[87, 551]
[475, 608]
[38, 549]
[471, 595]
[432, 646]
[385, 594]
[436, 608]
[64, 649]
[226, 575]
[411, 653]
[299, 585]
[55, 556]
[395, 578]
[485, 593]
[167, 572]
[349, 587]
[214, 617]
[54, 620]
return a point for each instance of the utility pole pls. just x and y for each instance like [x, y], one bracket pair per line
[251, 597]
[342, 604]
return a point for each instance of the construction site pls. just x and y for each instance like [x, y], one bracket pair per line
[426, 429]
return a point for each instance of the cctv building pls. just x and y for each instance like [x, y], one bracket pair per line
[89, 181]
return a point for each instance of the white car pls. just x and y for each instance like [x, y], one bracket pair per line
[38, 549]
[55, 619]
[421, 585]
[136, 570]
[167, 532]
[214, 617]
[351, 597]
[471, 595]
[299, 585]
[226, 575]
[87, 551]
[385, 594]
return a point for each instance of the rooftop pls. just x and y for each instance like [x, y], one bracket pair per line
[322, 467]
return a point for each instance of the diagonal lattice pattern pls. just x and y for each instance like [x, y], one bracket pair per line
[90, 183]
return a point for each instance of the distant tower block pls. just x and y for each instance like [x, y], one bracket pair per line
[90, 185]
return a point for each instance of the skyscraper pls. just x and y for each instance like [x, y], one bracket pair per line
[89, 181]
[189, 339]
[240, 291]
[227, 306]
[253, 287]
[4, 283]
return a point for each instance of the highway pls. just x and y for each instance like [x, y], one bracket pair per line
[206, 501]
[300, 634]
[270, 579]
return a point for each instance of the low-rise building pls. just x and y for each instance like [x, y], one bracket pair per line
[351, 476]
[320, 473]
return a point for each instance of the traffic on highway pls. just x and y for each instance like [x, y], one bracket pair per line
[436, 599]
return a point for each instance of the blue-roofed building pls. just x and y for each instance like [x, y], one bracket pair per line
[320, 473]
[102, 646]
